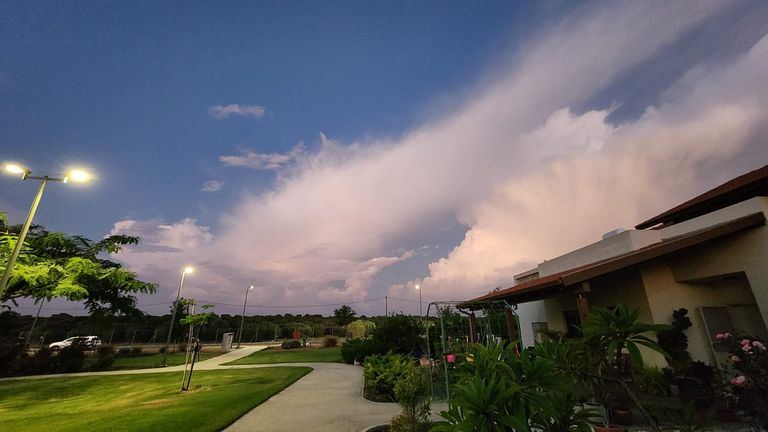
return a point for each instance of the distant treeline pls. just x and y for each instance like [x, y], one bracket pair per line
[145, 329]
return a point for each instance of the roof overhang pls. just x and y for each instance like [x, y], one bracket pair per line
[570, 280]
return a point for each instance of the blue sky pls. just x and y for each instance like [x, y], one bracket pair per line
[353, 149]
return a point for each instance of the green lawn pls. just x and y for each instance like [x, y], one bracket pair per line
[297, 355]
[144, 361]
[146, 402]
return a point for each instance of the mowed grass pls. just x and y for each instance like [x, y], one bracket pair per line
[145, 361]
[296, 355]
[140, 402]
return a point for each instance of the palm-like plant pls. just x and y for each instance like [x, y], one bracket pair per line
[607, 333]
[613, 330]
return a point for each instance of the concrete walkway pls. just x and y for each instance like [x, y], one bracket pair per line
[326, 399]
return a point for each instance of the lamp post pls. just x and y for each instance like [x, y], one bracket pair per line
[418, 287]
[242, 320]
[74, 175]
[173, 315]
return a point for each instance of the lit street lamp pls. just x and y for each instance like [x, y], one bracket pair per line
[242, 320]
[73, 175]
[419, 289]
[184, 272]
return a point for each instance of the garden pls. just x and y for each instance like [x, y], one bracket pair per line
[596, 381]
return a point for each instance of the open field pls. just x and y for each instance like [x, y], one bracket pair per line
[297, 355]
[139, 402]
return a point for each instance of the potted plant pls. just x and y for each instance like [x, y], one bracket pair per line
[606, 335]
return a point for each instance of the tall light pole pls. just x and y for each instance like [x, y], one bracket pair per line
[242, 320]
[74, 175]
[418, 287]
[184, 272]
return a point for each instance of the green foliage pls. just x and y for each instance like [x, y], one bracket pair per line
[613, 330]
[401, 334]
[674, 341]
[747, 374]
[412, 394]
[344, 315]
[54, 264]
[360, 329]
[105, 357]
[500, 390]
[354, 349]
[382, 372]
[329, 341]
[291, 344]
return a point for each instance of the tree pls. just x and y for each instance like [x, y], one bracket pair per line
[54, 264]
[344, 315]
[195, 322]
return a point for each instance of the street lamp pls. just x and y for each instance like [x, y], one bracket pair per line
[242, 320]
[184, 272]
[76, 175]
[419, 289]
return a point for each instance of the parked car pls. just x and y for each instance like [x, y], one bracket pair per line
[87, 342]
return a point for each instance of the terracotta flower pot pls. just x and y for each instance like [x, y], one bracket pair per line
[622, 416]
[611, 428]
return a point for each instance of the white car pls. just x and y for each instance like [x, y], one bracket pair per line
[87, 342]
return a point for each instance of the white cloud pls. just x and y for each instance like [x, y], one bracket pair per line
[226, 111]
[212, 186]
[265, 161]
[529, 177]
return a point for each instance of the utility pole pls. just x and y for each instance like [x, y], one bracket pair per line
[386, 305]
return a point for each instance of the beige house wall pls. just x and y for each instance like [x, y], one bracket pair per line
[665, 295]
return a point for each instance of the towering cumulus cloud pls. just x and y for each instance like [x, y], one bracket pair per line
[523, 166]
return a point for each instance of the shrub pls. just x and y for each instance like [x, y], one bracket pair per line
[105, 356]
[330, 341]
[412, 394]
[382, 372]
[136, 350]
[357, 349]
[400, 334]
[291, 344]
[360, 329]
[747, 380]
[350, 350]
[70, 359]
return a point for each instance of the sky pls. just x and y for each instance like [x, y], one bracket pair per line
[335, 153]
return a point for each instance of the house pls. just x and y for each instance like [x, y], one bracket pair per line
[708, 255]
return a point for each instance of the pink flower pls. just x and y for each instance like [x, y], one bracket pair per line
[746, 348]
[745, 342]
[722, 336]
[735, 358]
[759, 345]
[739, 380]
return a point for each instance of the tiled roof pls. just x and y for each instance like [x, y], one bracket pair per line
[751, 184]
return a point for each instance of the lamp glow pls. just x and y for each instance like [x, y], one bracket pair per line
[14, 169]
[188, 270]
[78, 176]
[250, 287]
